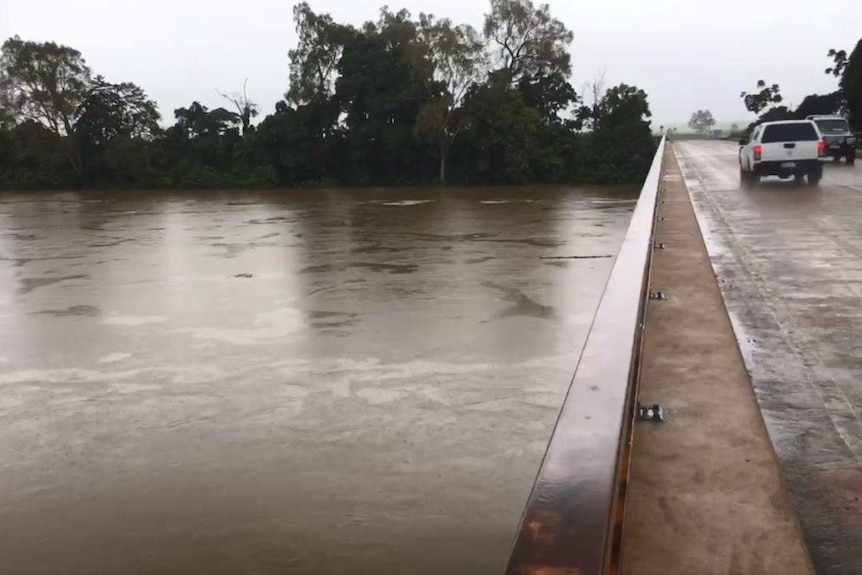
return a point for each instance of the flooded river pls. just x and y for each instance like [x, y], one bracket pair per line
[322, 382]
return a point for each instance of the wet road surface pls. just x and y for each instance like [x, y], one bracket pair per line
[321, 382]
[789, 261]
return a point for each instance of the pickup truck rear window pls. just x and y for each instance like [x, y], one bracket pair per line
[802, 132]
[833, 126]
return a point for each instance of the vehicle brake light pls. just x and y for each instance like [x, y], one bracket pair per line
[821, 149]
[758, 152]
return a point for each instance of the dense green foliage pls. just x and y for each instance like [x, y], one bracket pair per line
[851, 86]
[765, 97]
[847, 100]
[396, 101]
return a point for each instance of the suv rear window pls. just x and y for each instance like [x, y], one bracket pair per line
[832, 125]
[801, 132]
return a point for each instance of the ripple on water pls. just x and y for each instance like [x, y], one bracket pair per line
[114, 357]
[267, 326]
[133, 320]
[408, 203]
[497, 202]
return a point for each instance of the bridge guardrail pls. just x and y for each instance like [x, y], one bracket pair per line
[573, 519]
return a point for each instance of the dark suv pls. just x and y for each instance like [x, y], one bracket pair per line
[840, 141]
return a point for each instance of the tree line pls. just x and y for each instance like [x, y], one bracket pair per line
[768, 103]
[399, 100]
[701, 121]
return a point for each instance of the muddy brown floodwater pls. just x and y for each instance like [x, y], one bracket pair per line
[328, 382]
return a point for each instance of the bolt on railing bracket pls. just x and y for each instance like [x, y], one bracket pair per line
[658, 295]
[654, 412]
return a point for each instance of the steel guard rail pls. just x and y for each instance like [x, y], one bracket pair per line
[572, 523]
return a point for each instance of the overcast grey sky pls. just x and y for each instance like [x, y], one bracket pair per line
[686, 54]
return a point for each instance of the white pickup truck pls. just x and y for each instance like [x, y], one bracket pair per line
[785, 149]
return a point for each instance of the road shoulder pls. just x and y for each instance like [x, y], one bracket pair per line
[705, 493]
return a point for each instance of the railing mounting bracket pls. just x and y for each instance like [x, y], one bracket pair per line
[654, 412]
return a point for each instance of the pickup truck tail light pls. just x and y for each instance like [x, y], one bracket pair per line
[758, 153]
[821, 149]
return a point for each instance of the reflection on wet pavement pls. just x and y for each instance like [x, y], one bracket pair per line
[306, 382]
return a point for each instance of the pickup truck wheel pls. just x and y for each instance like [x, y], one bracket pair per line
[745, 179]
[814, 178]
[851, 158]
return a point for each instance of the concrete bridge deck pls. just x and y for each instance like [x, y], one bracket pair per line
[706, 494]
[789, 262]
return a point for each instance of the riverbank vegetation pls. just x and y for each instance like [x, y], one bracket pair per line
[398, 100]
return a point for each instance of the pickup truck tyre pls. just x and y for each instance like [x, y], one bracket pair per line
[851, 158]
[814, 177]
[747, 179]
